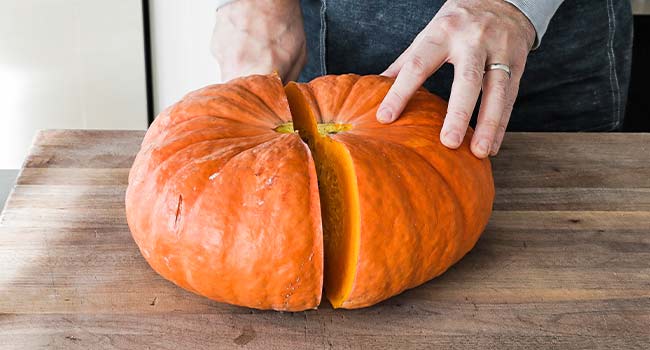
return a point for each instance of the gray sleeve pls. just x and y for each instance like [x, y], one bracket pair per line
[539, 12]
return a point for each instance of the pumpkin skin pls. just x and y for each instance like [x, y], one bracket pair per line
[422, 206]
[224, 206]
[397, 207]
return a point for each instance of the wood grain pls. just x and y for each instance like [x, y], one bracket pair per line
[563, 264]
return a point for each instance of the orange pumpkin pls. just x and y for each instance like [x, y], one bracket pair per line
[226, 200]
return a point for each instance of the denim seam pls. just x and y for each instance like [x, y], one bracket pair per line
[613, 76]
[322, 37]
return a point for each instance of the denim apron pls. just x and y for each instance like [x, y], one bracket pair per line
[575, 81]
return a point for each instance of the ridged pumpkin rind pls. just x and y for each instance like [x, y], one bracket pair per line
[222, 205]
[422, 206]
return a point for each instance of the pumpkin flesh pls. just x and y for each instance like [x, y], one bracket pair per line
[339, 196]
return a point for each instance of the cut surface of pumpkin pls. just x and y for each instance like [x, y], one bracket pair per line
[339, 196]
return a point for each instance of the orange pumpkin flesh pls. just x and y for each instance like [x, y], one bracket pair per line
[338, 194]
[397, 207]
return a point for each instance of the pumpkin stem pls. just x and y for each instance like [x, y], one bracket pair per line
[323, 128]
[285, 128]
[332, 128]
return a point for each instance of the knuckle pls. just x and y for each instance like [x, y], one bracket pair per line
[502, 128]
[491, 17]
[434, 39]
[395, 98]
[501, 38]
[478, 33]
[460, 115]
[415, 65]
[475, 60]
[502, 54]
[472, 74]
[492, 125]
[448, 23]
[472, 46]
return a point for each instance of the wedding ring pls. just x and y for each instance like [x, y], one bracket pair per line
[499, 66]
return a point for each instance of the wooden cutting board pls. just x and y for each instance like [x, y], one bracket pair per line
[564, 262]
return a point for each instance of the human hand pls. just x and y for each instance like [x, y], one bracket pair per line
[259, 37]
[469, 34]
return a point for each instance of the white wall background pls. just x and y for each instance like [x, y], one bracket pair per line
[68, 64]
[641, 7]
[180, 44]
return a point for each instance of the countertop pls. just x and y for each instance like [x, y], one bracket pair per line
[564, 262]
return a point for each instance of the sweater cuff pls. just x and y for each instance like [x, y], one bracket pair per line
[539, 12]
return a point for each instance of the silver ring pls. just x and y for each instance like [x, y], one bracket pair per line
[499, 66]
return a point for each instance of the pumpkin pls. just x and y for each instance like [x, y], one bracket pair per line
[263, 196]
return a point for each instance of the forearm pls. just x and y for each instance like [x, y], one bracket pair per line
[539, 12]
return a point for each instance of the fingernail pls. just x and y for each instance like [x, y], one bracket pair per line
[452, 139]
[483, 147]
[384, 115]
[495, 148]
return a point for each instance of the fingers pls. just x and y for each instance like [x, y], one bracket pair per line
[505, 118]
[417, 66]
[468, 77]
[465, 34]
[395, 67]
[496, 84]
[501, 132]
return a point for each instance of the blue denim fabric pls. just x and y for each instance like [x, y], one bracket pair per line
[576, 81]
